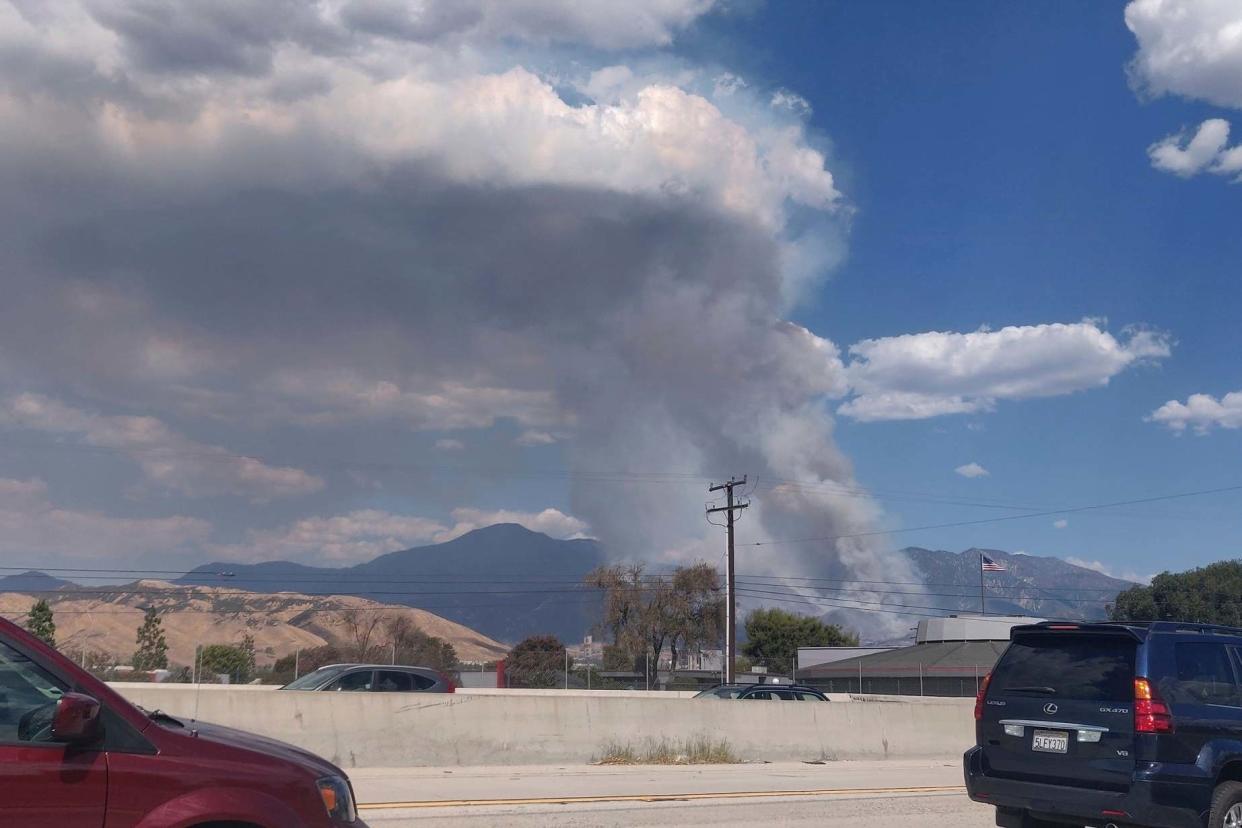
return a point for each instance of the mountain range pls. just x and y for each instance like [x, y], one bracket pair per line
[1030, 585]
[505, 581]
[508, 582]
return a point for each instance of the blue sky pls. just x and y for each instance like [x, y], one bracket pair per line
[997, 156]
[320, 281]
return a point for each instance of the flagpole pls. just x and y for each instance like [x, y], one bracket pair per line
[983, 600]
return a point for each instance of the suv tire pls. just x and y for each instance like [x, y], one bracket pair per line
[1227, 796]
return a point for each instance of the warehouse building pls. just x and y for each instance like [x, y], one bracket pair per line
[950, 657]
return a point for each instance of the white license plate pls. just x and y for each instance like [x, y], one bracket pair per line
[1050, 741]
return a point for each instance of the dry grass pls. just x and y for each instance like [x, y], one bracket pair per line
[697, 750]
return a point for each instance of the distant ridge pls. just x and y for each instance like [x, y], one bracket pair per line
[1031, 585]
[532, 575]
[508, 582]
[32, 581]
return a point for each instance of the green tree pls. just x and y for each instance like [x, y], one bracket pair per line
[1209, 595]
[644, 614]
[773, 637]
[696, 609]
[538, 661]
[40, 623]
[233, 660]
[152, 652]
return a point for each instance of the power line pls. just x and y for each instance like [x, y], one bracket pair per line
[292, 612]
[580, 475]
[795, 590]
[199, 591]
[921, 583]
[957, 524]
[830, 603]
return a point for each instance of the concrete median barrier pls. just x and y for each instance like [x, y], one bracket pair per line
[398, 730]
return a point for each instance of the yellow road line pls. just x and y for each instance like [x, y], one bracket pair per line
[578, 800]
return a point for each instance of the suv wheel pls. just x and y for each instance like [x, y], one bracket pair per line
[1226, 806]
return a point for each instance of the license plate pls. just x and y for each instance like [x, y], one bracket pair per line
[1050, 741]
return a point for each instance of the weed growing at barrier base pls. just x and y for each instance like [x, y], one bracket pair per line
[697, 750]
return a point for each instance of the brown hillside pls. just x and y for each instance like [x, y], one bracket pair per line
[281, 622]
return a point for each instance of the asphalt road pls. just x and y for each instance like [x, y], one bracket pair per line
[921, 794]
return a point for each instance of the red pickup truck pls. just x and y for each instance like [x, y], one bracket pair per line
[75, 754]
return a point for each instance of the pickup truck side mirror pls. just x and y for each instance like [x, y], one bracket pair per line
[76, 720]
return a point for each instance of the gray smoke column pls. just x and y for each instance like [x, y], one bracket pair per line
[307, 219]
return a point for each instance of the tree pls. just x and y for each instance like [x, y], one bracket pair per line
[40, 624]
[362, 628]
[695, 608]
[1208, 595]
[538, 661]
[152, 653]
[96, 662]
[235, 661]
[644, 614]
[410, 645]
[773, 637]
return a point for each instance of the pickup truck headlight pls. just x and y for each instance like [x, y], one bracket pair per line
[338, 799]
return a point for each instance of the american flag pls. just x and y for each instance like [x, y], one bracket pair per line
[990, 565]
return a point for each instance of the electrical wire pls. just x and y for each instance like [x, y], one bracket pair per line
[980, 521]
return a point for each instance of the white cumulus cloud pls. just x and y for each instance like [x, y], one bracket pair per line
[551, 522]
[1207, 150]
[1060, 524]
[1201, 412]
[535, 438]
[1112, 572]
[1188, 47]
[1191, 48]
[32, 529]
[338, 540]
[167, 458]
[922, 375]
[364, 534]
[604, 24]
[972, 470]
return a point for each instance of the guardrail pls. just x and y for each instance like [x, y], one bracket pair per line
[403, 730]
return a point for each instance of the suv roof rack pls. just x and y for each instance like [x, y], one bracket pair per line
[1147, 626]
[1192, 626]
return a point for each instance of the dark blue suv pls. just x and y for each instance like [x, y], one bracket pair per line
[1126, 724]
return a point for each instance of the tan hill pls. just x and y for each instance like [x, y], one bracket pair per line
[95, 620]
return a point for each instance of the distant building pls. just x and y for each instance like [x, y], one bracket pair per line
[815, 656]
[589, 651]
[951, 655]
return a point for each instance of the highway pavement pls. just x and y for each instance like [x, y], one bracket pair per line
[925, 794]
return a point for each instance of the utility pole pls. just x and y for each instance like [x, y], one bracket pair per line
[730, 508]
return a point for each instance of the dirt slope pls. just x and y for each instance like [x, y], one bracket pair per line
[106, 619]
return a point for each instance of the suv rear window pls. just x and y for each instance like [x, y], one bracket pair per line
[1090, 668]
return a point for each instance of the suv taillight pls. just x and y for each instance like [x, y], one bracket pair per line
[450, 685]
[983, 692]
[1151, 714]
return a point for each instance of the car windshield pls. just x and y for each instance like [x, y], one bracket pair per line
[720, 693]
[312, 681]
